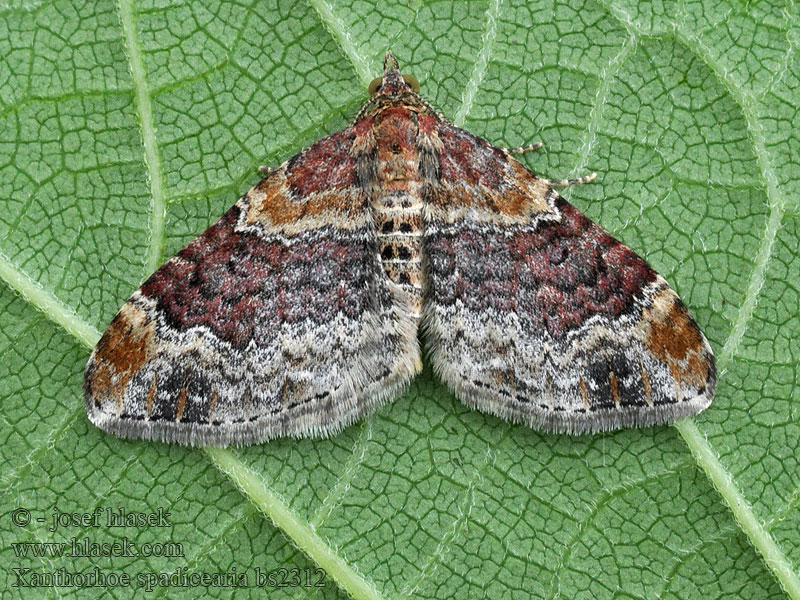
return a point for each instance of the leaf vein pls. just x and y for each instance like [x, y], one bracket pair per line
[47, 303]
[774, 557]
[482, 61]
[608, 74]
[583, 524]
[341, 36]
[144, 109]
[721, 536]
[300, 531]
[456, 527]
[298, 139]
[723, 481]
[777, 202]
[337, 491]
[203, 554]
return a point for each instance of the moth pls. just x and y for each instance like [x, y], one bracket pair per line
[301, 308]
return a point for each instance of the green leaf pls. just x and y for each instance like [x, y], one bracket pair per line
[129, 127]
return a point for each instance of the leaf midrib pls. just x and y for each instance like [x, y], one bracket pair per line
[65, 317]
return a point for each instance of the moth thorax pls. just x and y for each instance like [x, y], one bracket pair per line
[398, 222]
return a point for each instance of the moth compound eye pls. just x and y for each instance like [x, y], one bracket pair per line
[374, 85]
[411, 82]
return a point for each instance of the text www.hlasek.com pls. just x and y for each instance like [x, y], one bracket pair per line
[84, 547]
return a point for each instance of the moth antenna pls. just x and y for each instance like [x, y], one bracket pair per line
[523, 149]
[566, 182]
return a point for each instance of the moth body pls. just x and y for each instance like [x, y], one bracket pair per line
[397, 204]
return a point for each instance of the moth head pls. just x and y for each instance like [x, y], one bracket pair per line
[393, 83]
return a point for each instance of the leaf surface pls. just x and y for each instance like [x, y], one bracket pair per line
[129, 127]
